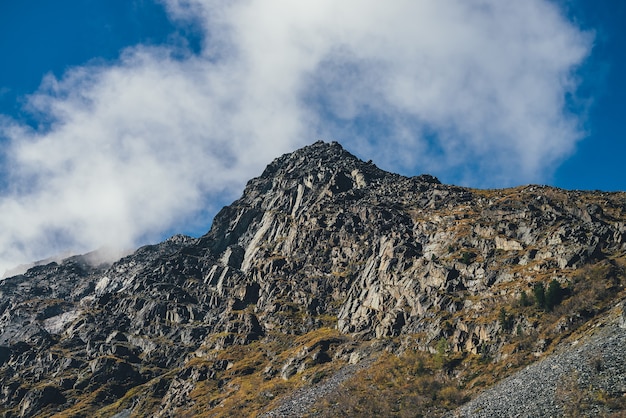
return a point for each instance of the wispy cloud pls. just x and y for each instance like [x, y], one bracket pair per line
[128, 150]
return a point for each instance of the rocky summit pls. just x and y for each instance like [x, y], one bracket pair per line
[334, 288]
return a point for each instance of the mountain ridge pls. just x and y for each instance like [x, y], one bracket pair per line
[323, 262]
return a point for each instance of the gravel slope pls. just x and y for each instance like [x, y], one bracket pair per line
[554, 386]
[299, 403]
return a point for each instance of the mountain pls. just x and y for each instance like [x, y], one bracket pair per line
[334, 288]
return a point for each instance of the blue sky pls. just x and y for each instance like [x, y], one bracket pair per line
[598, 162]
[122, 122]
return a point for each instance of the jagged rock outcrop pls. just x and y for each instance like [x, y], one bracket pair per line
[320, 239]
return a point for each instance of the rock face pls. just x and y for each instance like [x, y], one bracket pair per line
[320, 239]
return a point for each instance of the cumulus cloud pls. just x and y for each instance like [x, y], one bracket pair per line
[127, 150]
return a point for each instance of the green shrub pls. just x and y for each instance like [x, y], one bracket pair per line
[506, 320]
[548, 299]
[540, 295]
[442, 350]
[523, 299]
[467, 258]
[554, 294]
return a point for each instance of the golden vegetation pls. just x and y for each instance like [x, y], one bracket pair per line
[413, 384]
[578, 400]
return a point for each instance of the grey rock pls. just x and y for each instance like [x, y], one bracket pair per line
[38, 398]
[320, 238]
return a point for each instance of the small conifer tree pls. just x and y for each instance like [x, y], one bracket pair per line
[554, 295]
[506, 320]
[540, 295]
[523, 299]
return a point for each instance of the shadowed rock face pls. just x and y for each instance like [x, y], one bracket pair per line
[320, 237]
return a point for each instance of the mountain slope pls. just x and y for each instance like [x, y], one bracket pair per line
[586, 377]
[325, 261]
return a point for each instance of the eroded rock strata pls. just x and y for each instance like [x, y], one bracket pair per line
[324, 261]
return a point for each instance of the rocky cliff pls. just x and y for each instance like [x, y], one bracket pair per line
[324, 264]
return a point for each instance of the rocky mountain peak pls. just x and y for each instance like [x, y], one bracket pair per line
[321, 161]
[319, 155]
[304, 181]
[323, 262]
[318, 167]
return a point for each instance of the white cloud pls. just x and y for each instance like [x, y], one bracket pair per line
[129, 150]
